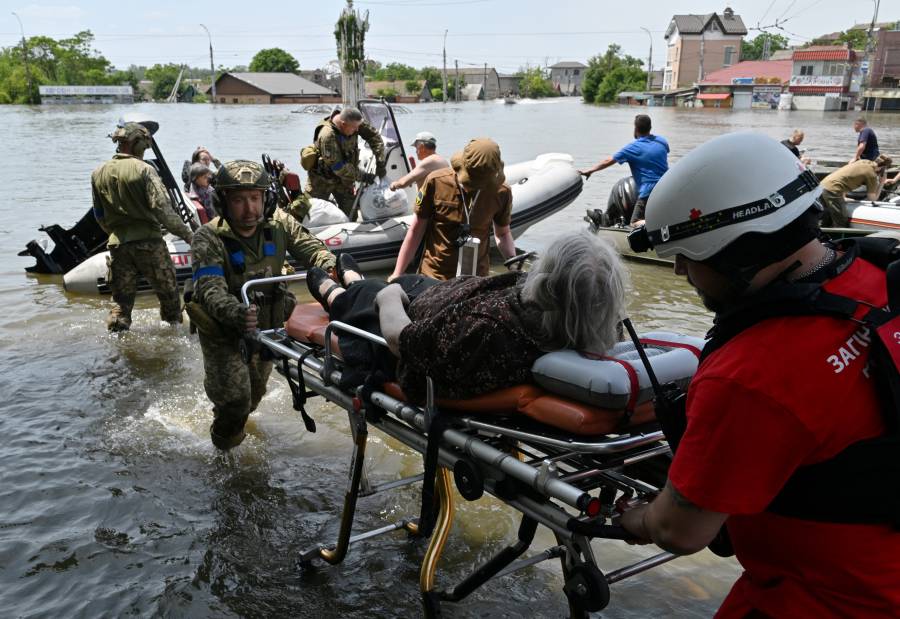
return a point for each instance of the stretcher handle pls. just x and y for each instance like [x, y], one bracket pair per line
[343, 326]
[252, 283]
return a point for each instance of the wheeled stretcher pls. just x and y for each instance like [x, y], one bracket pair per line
[561, 459]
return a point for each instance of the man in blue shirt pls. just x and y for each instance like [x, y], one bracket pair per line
[648, 158]
[866, 143]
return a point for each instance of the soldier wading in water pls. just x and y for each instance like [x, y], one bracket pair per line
[241, 245]
[130, 203]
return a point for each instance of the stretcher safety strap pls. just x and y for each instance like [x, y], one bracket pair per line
[634, 384]
[298, 389]
[667, 344]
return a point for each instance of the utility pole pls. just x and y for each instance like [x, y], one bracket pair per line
[869, 50]
[766, 46]
[444, 87]
[702, 49]
[649, 60]
[484, 83]
[456, 88]
[212, 67]
[25, 58]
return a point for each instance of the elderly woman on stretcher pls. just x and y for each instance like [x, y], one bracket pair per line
[473, 335]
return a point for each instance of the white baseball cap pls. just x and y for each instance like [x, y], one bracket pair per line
[425, 137]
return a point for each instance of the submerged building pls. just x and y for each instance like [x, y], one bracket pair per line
[85, 94]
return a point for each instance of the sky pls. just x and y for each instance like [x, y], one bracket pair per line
[507, 34]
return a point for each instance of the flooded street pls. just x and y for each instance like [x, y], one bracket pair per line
[113, 502]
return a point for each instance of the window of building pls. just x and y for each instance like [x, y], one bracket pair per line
[834, 68]
[234, 100]
[729, 56]
[577, 72]
[713, 26]
[221, 99]
[806, 69]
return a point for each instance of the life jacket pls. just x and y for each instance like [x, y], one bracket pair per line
[241, 267]
[861, 484]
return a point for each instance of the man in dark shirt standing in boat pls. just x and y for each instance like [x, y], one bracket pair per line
[130, 204]
[648, 158]
[457, 204]
[866, 141]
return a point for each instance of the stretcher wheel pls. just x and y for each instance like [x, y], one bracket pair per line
[469, 481]
[586, 588]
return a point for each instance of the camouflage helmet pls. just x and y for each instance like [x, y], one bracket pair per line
[241, 174]
[129, 132]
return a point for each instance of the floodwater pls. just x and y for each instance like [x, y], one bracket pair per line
[112, 500]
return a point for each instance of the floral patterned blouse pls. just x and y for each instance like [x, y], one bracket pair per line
[472, 335]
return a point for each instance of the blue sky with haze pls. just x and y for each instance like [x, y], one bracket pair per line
[507, 34]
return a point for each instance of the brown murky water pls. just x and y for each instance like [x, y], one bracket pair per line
[113, 502]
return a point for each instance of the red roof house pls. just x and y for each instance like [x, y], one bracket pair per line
[750, 72]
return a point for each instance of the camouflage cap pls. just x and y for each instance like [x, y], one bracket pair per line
[242, 174]
[128, 132]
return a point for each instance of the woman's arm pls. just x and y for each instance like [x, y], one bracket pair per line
[411, 242]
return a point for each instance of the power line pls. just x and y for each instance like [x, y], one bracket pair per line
[763, 18]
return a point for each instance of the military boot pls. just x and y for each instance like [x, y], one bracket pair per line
[225, 434]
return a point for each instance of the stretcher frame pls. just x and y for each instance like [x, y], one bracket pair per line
[569, 485]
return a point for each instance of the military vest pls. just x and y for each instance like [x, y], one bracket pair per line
[243, 264]
[120, 187]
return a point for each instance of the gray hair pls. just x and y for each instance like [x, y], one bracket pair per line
[579, 282]
[350, 115]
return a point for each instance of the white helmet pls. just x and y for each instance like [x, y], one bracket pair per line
[730, 186]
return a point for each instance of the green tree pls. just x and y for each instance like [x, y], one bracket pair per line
[164, 77]
[432, 77]
[69, 61]
[855, 38]
[412, 87]
[610, 73]
[391, 72]
[274, 60]
[621, 79]
[753, 49]
[533, 84]
[387, 93]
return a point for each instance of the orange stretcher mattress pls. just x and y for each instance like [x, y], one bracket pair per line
[307, 324]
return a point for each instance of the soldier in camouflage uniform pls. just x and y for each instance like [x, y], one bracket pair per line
[338, 165]
[130, 204]
[228, 251]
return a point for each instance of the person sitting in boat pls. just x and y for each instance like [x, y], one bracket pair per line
[202, 155]
[456, 207]
[836, 185]
[793, 142]
[201, 192]
[473, 335]
[648, 158]
[429, 161]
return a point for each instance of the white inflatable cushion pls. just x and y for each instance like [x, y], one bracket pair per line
[607, 383]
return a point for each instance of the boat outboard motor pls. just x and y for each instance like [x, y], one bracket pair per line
[622, 199]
